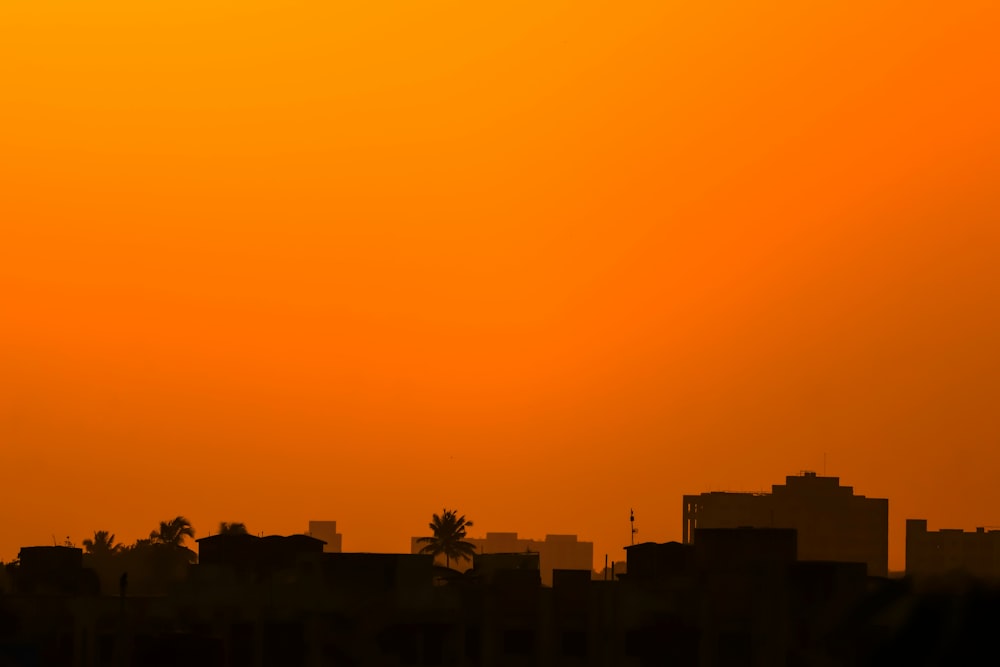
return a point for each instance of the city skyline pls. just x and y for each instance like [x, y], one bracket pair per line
[727, 514]
[734, 595]
[545, 262]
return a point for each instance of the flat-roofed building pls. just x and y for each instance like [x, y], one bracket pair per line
[833, 523]
[258, 555]
[949, 549]
[555, 552]
[327, 531]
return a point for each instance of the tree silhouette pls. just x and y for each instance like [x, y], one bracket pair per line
[103, 544]
[448, 537]
[172, 532]
[167, 544]
[235, 528]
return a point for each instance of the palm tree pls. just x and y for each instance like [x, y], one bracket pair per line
[448, 538]
[172, 532]
[234, 528]
[103, 544]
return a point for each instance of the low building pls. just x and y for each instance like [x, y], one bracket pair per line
[650, 561]
[257, 556]
[507, 567]
[949, 550]
[54, 571]
[737, 596]
[555, 552]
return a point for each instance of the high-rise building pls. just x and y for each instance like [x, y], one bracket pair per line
[833, 523]
[327, 531]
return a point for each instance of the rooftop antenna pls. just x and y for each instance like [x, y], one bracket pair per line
[631, 519]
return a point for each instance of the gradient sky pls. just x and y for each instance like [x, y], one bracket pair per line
[538, 261]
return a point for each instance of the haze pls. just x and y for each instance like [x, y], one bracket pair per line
[542, 262]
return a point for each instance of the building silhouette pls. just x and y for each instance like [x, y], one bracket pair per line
[949, 550]
[56, 570]
[833, 523]
[327, 531]
[255, 555]
[734, 596]
[555, 552]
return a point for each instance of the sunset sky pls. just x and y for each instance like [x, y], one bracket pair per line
[538, 261]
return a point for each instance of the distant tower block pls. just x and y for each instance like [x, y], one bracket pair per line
[327, 531]
[833, 522]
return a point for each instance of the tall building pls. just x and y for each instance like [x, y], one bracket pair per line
[327, 531]
[555, 552]
[946, 550]
[833, 523]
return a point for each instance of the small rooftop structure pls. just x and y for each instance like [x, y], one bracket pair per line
[54, 570]
[509, 568]
[260, 554]
[652, 561]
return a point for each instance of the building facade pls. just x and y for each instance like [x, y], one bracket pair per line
[833, 523]
[949, 550]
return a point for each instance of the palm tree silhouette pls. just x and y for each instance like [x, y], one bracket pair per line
[234, 528]
[448, 538]
[172, 532]
[168, 542]
[103, 544]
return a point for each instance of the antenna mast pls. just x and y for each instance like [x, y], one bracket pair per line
[631, 519]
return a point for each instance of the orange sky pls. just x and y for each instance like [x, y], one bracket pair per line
[539, 261]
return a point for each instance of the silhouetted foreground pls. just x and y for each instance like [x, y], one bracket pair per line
[731, 597]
